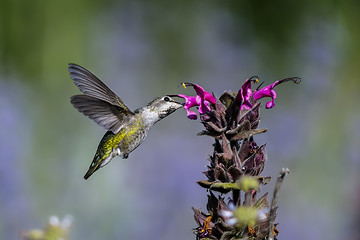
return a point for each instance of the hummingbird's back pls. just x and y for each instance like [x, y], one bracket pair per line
[132, 136]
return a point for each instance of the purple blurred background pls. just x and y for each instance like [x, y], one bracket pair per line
[142, 50]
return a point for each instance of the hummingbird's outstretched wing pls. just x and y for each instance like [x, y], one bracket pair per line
[103, 113]
[90, 85]
[99, 103]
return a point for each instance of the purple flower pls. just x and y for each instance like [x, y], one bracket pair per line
[202, 99]
[245, 93]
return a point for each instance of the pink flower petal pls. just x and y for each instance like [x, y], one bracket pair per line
[245, 93]
[202, 99]
[191, 115]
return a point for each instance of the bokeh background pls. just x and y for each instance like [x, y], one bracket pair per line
[144, 49]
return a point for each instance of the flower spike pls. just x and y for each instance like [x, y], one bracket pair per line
[235, 164]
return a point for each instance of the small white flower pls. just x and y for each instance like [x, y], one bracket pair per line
[261, 214]
[67, 221]
[231, 221]
[54, 221]
[231, 206]
[226, 213]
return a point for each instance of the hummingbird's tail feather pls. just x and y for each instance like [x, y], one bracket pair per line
[106, 151]
[99, 161]
[91, 171]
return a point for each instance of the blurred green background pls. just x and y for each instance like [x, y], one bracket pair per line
[144, 49]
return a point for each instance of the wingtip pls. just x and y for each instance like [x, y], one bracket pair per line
[72, 65]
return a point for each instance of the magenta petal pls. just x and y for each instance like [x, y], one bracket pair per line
[199, 90]
[203, 94]
[190, 101]
[204, 107]
[244, 95]
[210, 98]
[246, 105]
[191, 115]
[269, 91]
[187, 98]
[270, 104]
[245, 90]
[265, 92]
[202, 99]
[190, 104]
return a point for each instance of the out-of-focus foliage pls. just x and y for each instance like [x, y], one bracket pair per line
[54, 230]
[143, 49]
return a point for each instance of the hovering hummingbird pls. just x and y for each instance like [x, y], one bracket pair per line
[126, 129]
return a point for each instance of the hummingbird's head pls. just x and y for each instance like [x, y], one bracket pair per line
[160, 108]
[165, 105]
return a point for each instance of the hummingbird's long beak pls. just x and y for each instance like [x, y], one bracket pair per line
[172, 95]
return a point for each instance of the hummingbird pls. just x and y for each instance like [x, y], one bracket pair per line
[126, 129]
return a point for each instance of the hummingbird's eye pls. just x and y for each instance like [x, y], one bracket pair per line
[166, 99]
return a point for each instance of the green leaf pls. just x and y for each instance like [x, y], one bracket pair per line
[226, 186]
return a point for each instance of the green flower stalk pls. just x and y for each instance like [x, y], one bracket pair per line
[236, 163]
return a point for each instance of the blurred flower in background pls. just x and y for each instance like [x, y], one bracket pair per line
[56, 229]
